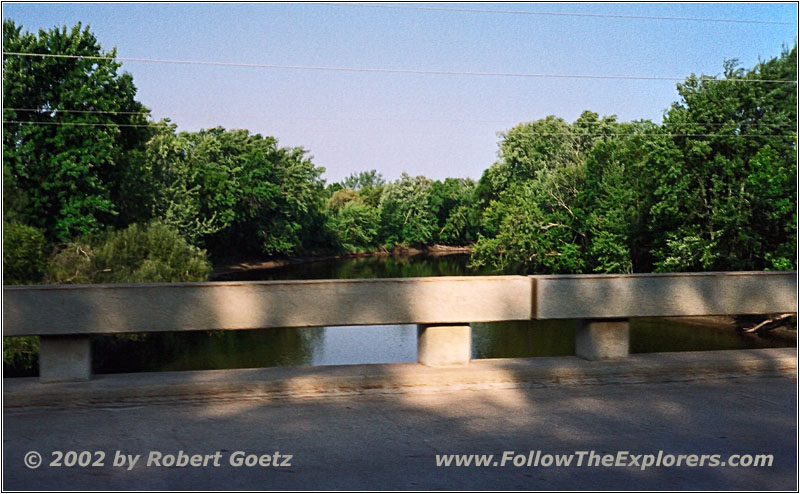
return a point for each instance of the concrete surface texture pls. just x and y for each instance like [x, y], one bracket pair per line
[587, 296]
[439, 346]
[318, 381]
[390, 441]
[82, 309]
[65, 358]
[602, 339]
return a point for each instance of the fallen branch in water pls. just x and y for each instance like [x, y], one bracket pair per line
[768, 322]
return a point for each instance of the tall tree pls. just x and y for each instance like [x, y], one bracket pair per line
[453, 202]
[236, 193]
[406, 215]
[67, 137]
[171, 184]
[728, 203]
[533, 221]
[617, 197]
[369, 186]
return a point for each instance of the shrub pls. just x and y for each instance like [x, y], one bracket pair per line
[23, 254]
[23, 263]
[150, 253]
[137, 254]
[20, 356]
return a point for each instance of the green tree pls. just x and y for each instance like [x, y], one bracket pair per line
[66, 145]
[237, 193]
[405, 211]
[617, 197]
[713, 188]
[341, 198]
[457, 219]
[533, 220]
[728, 202]
[356, 224]
[172, 185]
[363, 180]
[295, 221]
[368, 184]
[536, 227]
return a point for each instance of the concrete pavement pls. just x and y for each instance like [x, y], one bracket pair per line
[390, 441]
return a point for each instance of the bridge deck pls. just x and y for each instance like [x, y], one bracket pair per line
[389, 441]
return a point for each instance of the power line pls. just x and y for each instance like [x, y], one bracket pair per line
[59, 110]
[254, 116]
[49, 111]
[393, 71]
[656, 134]
[85, 124]
[559, 14]
[152, 125]
[572, 134]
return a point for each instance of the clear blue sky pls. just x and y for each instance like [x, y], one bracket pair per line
[434, 125]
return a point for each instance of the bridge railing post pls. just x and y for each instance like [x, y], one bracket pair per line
[64, 358]
[602, 339]
[441, 345]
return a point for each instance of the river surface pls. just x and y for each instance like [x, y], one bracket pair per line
[385, 344]
[379, 344]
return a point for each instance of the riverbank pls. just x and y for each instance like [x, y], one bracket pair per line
[398, 252]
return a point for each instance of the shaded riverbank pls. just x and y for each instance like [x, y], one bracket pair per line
[393, 263]
[228, 270]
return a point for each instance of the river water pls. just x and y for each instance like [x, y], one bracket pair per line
[383, 344]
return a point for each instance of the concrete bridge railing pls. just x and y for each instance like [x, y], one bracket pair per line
[64, 316]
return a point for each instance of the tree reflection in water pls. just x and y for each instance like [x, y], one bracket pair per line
[200, 350]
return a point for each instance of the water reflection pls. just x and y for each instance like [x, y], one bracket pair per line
[368, 267]
[204, 350]
[673, 335]
[367, 345]
[200, 350]
[515, 339]
[386, 344]
[647, 335]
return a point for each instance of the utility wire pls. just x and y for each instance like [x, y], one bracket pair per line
[59, 110]
[380, 119]
[520, 133]
[392, 71]
[656, 134]
[83, 124]
[557, 14]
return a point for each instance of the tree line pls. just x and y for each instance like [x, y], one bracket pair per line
[93, 191]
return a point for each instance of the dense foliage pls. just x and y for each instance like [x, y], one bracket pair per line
[150, 253]
[23, 254]
[712, 187]
[234, 192]
[67, 172]
[727, 200]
